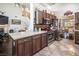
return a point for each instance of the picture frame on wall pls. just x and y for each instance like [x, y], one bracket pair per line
[16, 21]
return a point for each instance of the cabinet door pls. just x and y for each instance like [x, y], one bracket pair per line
[77, 37]
[44, 40]
[20, 48]
[36, 43]
[77, 17]
[40, 17]
[28, 46]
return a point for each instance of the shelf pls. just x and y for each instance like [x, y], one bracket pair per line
[41, 26]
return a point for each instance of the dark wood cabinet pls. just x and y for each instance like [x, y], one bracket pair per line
[77, 27]
[77, 17]
[40, 17]
[43, 20]
[36, 43]
[77, 37]
[24, 47]
[44, 40]
[30, 45]
[20, 47]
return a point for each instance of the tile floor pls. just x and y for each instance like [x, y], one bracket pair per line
[63, 47]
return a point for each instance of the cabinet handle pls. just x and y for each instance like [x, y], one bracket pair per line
[25, 40]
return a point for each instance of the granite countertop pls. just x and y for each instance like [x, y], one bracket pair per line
[20, 35]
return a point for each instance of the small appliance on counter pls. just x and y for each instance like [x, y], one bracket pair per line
[3, 20]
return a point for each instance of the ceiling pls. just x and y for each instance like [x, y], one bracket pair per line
[57, 4]
[47, 4]
[50, 4]
[25, 5]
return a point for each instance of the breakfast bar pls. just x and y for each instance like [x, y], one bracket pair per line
[28, 43]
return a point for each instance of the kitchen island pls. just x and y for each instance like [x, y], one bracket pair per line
[77, 36]
[28, 43]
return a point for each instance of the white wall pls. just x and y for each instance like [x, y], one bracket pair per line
[62, 8]
[12, 11]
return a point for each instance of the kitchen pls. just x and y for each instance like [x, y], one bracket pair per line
[50, 28]
[16, 31]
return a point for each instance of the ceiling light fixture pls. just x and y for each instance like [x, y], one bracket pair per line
[17, 4]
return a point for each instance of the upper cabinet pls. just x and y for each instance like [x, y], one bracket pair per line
[77, 20]
[77, 27]
[44, 20]
[77, 17]
[42, 17]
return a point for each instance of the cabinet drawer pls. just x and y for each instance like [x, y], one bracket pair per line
[44, 34]
[36, 36]
[27, 39]
[24, 39]
[76, 33]
[20, 40]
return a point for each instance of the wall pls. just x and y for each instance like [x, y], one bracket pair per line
[58, 8]
[14, 12]
[61, 8]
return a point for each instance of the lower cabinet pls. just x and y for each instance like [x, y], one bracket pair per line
[24, 47]
[19, 47]
[30, 45]
[44, 40]
[36, 43]
[77, 37]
